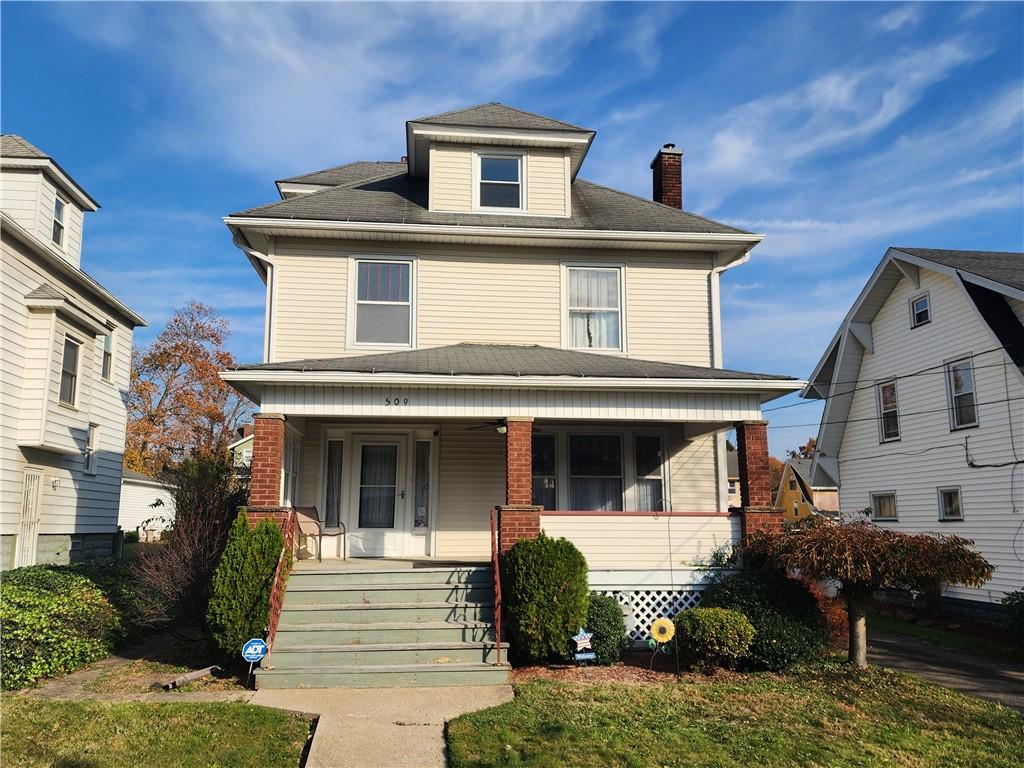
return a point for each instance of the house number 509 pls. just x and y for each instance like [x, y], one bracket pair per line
[395, 401]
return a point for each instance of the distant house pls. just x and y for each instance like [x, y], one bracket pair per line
[147, 505]
[923, 422]
[240, 451]
[802, 493]
[732, 462]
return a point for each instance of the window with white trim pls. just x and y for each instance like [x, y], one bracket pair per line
[545, 474]
[59, 206]
[69, 371]
[501, 181]
[963, 407]
[920, 311]
[595, 308]
[883, 506]
[595, 472]
[384, 297]
[290, 470]
[91, 446]
[950, 504]
[107, 366]
[888, 412]
[649, 466]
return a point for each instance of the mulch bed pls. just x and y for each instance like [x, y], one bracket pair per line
[635, 669]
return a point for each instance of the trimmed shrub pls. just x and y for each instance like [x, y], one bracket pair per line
[546, 596]
[54, 621]
[240, 594]
[780, 642]
[1013, 614]
[605, 620]
[712, 637]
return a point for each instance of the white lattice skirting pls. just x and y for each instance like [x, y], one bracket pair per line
[643, 606]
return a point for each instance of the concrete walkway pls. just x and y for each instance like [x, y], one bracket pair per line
[1002, 682]
[381, 727]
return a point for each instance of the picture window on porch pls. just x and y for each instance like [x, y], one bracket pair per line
[290, 470]
[421, 514]
[650, 473]
[595, 308]
[545, 474]
[384, 302]
[334, 493]
[595, 472]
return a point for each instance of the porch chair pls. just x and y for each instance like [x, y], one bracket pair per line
[308, 520]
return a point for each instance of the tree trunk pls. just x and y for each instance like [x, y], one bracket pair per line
[856, 607]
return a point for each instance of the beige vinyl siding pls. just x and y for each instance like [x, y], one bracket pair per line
[693, 473]
[472, 482]
[19, 196]
[956, 330]
[546, 182]
[136, 508]
[644, 542]
[451, 177]
[489, 295]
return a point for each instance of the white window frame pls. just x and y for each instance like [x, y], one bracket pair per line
[351, 332]
[108, 376]
[73, 403]
[481, 152]
[567, 267]
[662, 475]
[874, 507]
[913, 315]
[882, 438]
[943, 517]
[951, 395]
[59, 225]
[291, 467]
[92, 436]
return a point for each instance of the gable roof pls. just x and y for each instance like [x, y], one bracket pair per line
[494, 114]
[999, 266]
[25, 154]
[803, 469]
[12, 145]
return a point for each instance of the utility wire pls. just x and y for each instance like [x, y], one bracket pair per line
[901, 415]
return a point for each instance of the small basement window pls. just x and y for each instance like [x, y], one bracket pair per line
[920, 311]
[501, 181]
[950, 506]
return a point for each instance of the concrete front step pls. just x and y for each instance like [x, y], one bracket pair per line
[369, 655]
[295, 615]
[363, 594]
[340, 633]
[326, 575]
[383, 676]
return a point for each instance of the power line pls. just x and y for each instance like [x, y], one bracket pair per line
[947, 408]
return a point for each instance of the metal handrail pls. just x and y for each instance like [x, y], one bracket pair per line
[495, 566]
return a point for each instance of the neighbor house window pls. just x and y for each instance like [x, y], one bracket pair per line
[91, 444]
[883, 506]
[595, 308]
[595, 472]
[545, 484]
[501, 181]
[69, 371]
[888, 411]
[792, 483]
[108, 356]
[920, 311]
[649, 464]
[290, 471]
[963, 406]
[58, 220]
[384, 302]
[950, 504]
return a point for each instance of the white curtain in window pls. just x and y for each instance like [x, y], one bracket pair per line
[332, 516]
[594, 308]
[377, 476]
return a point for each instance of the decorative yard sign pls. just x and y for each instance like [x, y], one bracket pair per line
[584, 649]
[254, 650]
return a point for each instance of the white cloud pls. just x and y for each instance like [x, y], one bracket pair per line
[905, 15]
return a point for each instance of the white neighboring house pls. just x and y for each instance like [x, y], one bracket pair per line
[147, 505]
[66, 350]
[924, 418]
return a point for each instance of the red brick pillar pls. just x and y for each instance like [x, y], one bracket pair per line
[267, 460]
[756, 479]
[518, 519]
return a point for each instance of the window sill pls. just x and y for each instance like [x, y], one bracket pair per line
[592, 351]
[921, 325]
[951, 519]
[975, 425]
[68, 406]
[885, 441]
[885, 519]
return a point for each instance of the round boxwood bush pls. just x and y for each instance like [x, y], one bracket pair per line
[712, 637]
[780, 642]
[54, 621]
[605, 620]
[546, 596]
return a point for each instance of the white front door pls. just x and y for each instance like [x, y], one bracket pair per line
[379, 507]
[28, 527]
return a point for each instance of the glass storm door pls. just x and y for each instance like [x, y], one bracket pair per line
[379, 508]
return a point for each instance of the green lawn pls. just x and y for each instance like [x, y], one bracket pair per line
[947, 638]
[829, 715]
[91, 734]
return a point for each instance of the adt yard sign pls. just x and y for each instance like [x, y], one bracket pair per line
[254, 650]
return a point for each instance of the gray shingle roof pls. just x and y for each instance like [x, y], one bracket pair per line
[44, 291]
[497, 115]
[510, 360]
[400, 199]
[1000, 266]
[12, 145]
[348, 173]
[802, 467]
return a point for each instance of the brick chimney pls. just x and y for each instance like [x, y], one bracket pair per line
[668, 176]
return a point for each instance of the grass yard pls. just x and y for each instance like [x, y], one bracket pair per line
[87, 734]
[828, 715]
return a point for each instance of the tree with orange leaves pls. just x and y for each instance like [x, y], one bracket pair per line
[177, 404]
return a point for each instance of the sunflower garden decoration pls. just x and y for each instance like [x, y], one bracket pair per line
[662, 631]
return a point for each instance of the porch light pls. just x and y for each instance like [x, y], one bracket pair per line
[501, 429]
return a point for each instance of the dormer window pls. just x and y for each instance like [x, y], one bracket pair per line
[501, 177]
[58, 220]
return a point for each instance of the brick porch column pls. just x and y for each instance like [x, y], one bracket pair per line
[267, 460]
[756, 479]
[518, 519]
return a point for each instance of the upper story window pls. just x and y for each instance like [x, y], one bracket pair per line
[950, 504]
[107, 369]
[91, 446]
[69, 371]
[920, 311]
[58, 220]
[888, 411]
[963, 406]
[595, 308]
[384, 296]
[501, 178]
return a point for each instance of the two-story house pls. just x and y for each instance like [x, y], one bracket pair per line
[801, 493]
[476, 326]
[924, 404]
[66, 350]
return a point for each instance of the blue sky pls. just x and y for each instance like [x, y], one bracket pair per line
[834, 129]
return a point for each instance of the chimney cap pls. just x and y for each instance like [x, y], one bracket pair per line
[666, 149]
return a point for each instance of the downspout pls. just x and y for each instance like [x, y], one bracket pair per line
[264, 265]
